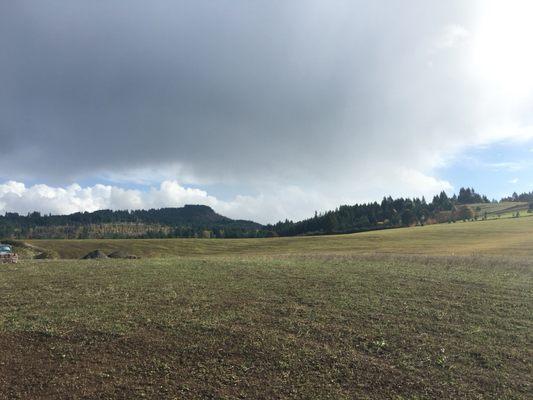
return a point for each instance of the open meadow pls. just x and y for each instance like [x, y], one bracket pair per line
[508, 236]
[266, 200]
[441, 311]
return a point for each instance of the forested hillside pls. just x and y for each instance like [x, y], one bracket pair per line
[188, 221]
[389, 213]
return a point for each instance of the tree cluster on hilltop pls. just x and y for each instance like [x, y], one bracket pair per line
[523, 197]
[469, 196]
[389, 213]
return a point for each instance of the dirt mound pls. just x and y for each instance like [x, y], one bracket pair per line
[123, 254]
[94, 254]
[47, 255]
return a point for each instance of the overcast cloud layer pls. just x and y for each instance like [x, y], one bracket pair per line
[305, 104]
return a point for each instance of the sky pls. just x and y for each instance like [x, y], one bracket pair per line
[264, 110]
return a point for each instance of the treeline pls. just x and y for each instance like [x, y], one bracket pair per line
[197, 221]
[390, 213]
[191, 221]
[469, 196]
[524, 197]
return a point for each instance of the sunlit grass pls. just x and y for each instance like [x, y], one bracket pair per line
[507, 236]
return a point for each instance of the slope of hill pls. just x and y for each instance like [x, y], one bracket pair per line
[510, 236]
[281, 318]
[501, 208]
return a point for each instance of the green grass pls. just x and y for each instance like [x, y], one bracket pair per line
[261, 327]
[497, 237]
[503, 208]
[337, 317]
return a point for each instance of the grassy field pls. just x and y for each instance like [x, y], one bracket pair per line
[442, 311]
[512, 236]
[501, 207]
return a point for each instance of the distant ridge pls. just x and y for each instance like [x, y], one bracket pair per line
[187, 221]
[201, 221]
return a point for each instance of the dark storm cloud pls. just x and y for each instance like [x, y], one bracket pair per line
[229, 90]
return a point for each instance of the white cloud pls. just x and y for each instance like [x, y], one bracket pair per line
[271, 206]
[305, 106]
[452, 36]
[423, 185]
[501, 49]
[17, 197]
[514, 181]
[506, 166]
[510, 132]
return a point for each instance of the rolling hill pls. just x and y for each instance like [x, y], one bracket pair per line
[427, 312]
[500, 209]
[506, 236]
